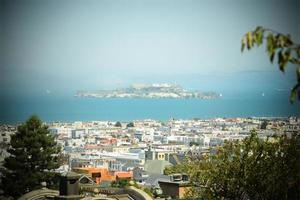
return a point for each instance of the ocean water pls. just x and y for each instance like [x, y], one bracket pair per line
[15, 110]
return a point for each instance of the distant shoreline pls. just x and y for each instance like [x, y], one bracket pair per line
[158, 120]
[167, 98]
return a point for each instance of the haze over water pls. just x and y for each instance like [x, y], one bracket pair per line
[51, 49]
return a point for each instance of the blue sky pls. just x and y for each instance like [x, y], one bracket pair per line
[63, 46]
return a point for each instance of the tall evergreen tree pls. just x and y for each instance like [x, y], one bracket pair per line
[33, 156]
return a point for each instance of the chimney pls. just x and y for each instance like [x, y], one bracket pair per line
[176, 177]
[69, 187]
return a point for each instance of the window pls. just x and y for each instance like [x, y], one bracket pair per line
[96, 175]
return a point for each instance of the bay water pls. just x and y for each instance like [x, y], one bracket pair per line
[68, 109]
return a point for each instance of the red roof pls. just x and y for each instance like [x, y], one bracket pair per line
[123, 174]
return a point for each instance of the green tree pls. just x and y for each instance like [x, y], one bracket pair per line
[118, 124]
[33, 156]
[277, 45]
[194, 143]
[251, 169]
[130, 124]
[264, 125]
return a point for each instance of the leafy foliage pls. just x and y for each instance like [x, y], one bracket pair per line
[250, 169]
[120, 183]
[118, 124]
[277, 45]
[130, 125]
[194, 144]
[33, 155]
[264, 124]
[148, 191]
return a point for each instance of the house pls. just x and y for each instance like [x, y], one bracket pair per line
[121, 175]
[103, 174]
[176, 187]
[139, 175]
[97, 174]
[86, 180]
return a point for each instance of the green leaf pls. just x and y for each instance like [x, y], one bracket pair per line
[270, 43]
[281, 60]
[294, 93]
[258, 28]
[281, 40]
[288, 55]
[259, 38]
[249, 40]
[258, 35]
[288, 40]
[244, 40]
[272, 55]
[294, 61]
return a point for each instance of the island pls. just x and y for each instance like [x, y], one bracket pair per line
[155, 90]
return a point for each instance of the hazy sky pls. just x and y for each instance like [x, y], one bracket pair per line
[61, 46]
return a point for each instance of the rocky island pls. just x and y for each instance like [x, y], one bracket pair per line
[149, 91]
